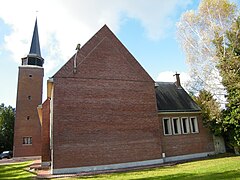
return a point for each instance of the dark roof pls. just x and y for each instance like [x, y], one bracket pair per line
[170, 98]
[35, 45]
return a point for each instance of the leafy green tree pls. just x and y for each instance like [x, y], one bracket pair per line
[211, 112]
[7, 118]
[195, 33]
[229, 68]
[1, 107]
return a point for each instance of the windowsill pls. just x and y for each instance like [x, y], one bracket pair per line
[177, 134]
[167, 134]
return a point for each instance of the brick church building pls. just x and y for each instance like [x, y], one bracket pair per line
[103, 111]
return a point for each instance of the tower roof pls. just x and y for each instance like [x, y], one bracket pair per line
[35, 45]
[34, 57]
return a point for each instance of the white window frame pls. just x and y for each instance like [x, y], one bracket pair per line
[178, 126]
[168, 124]
[187, 125]
[27, 140]
[195, 124]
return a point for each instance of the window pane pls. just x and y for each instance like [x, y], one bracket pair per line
[185, 125]
[167, 126]
[27, 140]
[176, 126]
[194, 124]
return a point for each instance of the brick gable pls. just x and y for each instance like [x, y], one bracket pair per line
[104, 56]
[106, 112]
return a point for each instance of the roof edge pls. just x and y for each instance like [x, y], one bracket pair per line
[179, 112]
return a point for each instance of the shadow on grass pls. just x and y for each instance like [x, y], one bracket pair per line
[15, 171]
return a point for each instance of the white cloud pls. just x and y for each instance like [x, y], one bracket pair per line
[62, 24]
[155, 16]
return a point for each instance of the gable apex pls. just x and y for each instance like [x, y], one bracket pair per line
[99, 41]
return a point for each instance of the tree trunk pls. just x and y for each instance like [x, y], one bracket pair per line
[236, 150]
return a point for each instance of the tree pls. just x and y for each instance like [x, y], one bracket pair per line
[229, 68]
[7, 118]
[195, 33]
[1, 107]
[211, 112]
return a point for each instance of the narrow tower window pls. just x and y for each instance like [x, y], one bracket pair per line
[28, 117]
[30, 75]
[27, 140]
[29, 97]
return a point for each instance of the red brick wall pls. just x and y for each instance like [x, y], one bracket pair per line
[45, 131]
[106, 113]
[99, 122]
[183, 144]
[28, 86]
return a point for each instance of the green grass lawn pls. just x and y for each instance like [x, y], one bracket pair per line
[15, 171]
[214, 168]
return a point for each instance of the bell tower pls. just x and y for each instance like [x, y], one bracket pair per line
[27, 130]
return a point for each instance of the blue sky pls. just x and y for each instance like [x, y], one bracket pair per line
[146, 28]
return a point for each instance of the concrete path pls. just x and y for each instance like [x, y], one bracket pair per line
[19, 159]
